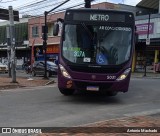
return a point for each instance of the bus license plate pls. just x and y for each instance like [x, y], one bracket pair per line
[92, 88]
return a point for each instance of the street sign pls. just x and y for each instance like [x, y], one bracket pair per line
[4, 14]
[148, 41]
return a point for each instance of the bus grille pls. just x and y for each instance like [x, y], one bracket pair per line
[95, 70]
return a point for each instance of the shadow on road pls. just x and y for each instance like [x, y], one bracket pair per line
[91, 98]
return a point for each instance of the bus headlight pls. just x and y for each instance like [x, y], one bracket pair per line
[64, 71]
[124, 74]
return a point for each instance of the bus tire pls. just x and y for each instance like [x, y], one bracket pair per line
[66, 92]
[112, 93]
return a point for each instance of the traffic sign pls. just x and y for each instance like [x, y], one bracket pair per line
[4, 14]
[148, 41]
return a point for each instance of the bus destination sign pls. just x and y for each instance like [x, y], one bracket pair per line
[99, 17]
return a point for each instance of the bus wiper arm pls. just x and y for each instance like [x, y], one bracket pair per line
[88, 31]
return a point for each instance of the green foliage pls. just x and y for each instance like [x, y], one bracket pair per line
[21, 33]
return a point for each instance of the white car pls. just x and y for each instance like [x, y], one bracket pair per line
[3, 68]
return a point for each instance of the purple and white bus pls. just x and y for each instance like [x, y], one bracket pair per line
[96, 51]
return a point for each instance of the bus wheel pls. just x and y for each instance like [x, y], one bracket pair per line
[66, 91]
[112, 93]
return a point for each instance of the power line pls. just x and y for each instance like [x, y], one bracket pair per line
[35, 3]
[60, 10]
[42, 2]
[63, 9]
[30, 5]
[8, 1]
[47, 7]
[37, 8]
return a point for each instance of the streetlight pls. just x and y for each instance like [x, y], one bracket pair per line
[147, 39]
[45, 37]
[147, 43]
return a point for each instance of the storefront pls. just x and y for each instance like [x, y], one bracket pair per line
[22, 54]
[148, 55]
[51, 53]
[147, 49]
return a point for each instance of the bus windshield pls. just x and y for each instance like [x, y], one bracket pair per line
[96, 44]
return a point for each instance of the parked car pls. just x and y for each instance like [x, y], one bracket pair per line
[3, 68]
[38, 68]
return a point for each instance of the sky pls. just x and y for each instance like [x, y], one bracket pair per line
[47, 5]
[17, 3]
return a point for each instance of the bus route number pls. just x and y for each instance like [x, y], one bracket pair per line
[79, 54]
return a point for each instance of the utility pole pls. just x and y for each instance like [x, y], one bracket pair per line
[45, 44]
[12, 41]
[147, 43]
[45, 37]
[8, 50]
[88, 3]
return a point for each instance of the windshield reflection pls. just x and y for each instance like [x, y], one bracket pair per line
[99, 45]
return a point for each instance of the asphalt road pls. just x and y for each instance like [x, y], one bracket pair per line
[46, 107]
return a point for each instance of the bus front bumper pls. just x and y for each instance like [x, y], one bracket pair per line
[102, 86]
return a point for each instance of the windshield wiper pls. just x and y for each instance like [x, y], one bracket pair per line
[87, 30]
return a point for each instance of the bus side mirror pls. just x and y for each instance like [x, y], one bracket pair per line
[56, 26]
[55, 29]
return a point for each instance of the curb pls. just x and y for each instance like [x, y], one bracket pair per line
[50, 82]
[147, 77]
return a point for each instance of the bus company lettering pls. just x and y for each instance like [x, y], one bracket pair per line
[99, 17]
[110, 28]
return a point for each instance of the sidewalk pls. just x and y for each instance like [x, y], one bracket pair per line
[148, 75]
[115, 127]
[5, 82]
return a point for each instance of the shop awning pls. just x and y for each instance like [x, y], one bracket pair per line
[152, 4]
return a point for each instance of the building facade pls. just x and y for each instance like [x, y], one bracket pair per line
[35, 26]
[22, 48]
[147, 51]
